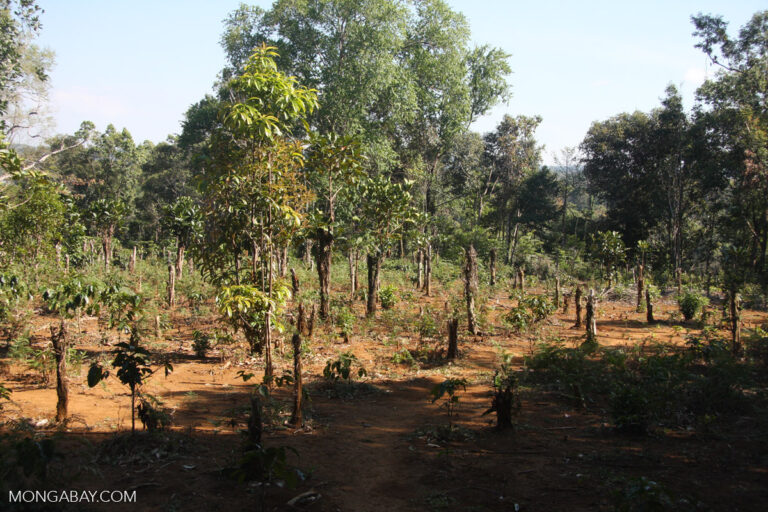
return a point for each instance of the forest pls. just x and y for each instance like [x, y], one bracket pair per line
[327, 292]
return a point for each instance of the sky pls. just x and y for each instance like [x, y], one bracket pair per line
[140, 64]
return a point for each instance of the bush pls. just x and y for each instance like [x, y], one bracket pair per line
[529, 311]
[427, 325]
[691, 304]
[201, 343]
[388, 297]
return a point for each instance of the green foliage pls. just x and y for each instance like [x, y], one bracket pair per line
[448, 391]
[201, 343]
[645, 495]
[427, 325]
[345, 320]
[152, 414]
[404, 356]
[133, 368]
[388, 297]
[244, 307]
[529, 311]
[691, 304]
[73, 296]
[341, 368]
[39, 360]
[506, 398]
[24, 461]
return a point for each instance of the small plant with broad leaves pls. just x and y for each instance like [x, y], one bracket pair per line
[691, 304]
[133, 368]
[201, 343]
[341, 368]
[529, 311]
[152, 414]
[447, 391]
[506, 399]
[388, 297]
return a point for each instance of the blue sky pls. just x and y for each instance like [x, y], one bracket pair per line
[140, 64]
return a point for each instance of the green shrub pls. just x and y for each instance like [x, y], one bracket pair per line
[403, 356]
[201, 343]
[388, 297]
[529, 311]
[341, 368]
[427, 325]
[691, 304]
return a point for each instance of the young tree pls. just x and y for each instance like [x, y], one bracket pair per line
[182, 220]
[254, 197]
[333, 164]
[385, 212]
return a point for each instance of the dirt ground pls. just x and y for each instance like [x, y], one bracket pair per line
[375, 450]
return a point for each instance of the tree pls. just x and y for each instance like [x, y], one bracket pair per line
[182, 219]
[385, 211]
[105, 217]
[736, 120]
[333, 164]
[513, 152]
[254, 197]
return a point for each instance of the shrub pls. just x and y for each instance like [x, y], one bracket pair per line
[691, 304]
[345, 320]
[201, 343]
[388, 297]
[341, 368]
[529, 311]
[427, 325]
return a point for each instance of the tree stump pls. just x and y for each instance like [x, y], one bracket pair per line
[492, 266]
[470, 287]
[577, 303]
[296, 416]
[294, 283]
[453, 338]
[591, 321]
[648, 307]
[171, 285]
[59, 340]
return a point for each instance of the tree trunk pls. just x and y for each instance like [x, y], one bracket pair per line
[171, 285]
[296, 417]
[566, 300]
[132, 261]
[679, 278]
[374, 266]
[640, 286]
[352, 261]
[179, 260]
[521, 279]
[255, 426]
[591, 320]
[470, 287]
[557, 292]
[294, 283]
[648, 307]
[577, 304]
[268, 368]
[734, 300]
[311, 323]
[428, 271]
[106, 247]
[308, 252]
[300, 321]
[420, 269]
[492, 266]
[323, 255]
[283, 261]
[59, 340]
[66, 260]
[453, 338]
